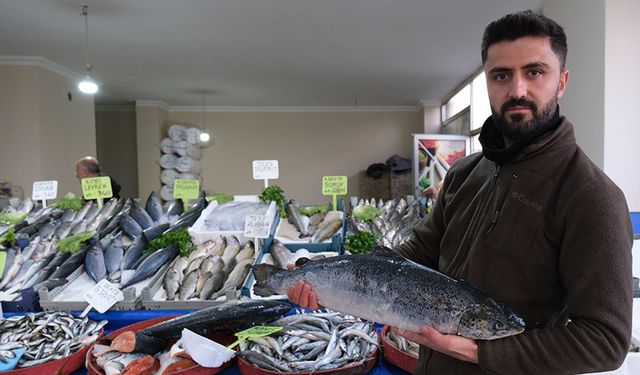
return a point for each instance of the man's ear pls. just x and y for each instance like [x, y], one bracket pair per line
[562, 84]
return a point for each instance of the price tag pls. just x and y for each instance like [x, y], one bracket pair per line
[96, 187]
[265, 170]
[43, 190]
[334, 185]
[102, 296]
[257, 226]
[186, 189]
[3, 260]
[255, 332]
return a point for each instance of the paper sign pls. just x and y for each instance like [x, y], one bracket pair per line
[257, 226]
[334, 185]
[186, 189]
[104, 295]
[43, 190]
[265, 170]
[96, 187]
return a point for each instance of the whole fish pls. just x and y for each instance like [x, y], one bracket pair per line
[71, 264]
[94, 263]
[140, 215]
[113, 256]
[130, 226]
[154, 207]
[236, 278]
[280, 254]
[154, 231]
[230, 252]
[152, 264]
[212, 284]
[133, 253]
[189, 284]
[11, 272]
[247, 252]
[326, 231]
[390, 289]
[234, 315]
[44, 274]
[175, 208]
[46, 231]
[297, 219]
[171, 282]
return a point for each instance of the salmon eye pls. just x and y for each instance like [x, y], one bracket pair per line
[499, 326]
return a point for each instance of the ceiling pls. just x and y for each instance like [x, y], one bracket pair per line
[260, 52]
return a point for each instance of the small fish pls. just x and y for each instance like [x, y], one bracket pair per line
[171, 282]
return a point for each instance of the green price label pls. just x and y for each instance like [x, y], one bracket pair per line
[334, 185]
[96, 187]
[186, 189]
[3, 260]
[255, 332]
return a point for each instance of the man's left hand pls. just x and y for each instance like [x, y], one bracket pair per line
[455, 346]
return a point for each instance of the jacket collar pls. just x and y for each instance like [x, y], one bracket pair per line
[493, 148]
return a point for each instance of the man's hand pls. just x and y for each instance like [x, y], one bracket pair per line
[301, 294]
[455, 346]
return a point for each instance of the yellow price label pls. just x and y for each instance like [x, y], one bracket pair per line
[255, 332]
[3, 260]
[96, 187]
[186, 189]
[334, 185]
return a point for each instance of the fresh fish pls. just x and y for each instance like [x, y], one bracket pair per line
[46, 231]
[154, 231]
[175, 208]
[204, 276]
[130, 226]
[152, 264]
[236, 278]
[171, 282]
[326, 231]
[75, 261]
[389, 289]
[22, 273]
[94, 263]
[63, 230]
[140, 215]
[189, 284]
[10, 273]
[314, 222]
[140, 260]
[113, 256]
[233, 315]
[212, 284]
[297, 219]
[247, 252]
[230, 252]
[133, 253]
[80, 214]
[11, 255]
[180, 265]
[154, 207]
[211, 264]
[280, 254]
[44, 274]
[68, 215]
[92, 213]
[129, 342]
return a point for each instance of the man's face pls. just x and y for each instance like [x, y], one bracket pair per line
[81, 172]
[524, 83]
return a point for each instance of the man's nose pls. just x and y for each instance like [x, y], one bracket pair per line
[518, 87]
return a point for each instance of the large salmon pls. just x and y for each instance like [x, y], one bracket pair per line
[387, 288]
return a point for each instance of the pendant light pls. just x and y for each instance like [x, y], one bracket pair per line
[87, 85]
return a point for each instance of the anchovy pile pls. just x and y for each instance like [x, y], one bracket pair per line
[214, 268]
[401, 343]
[46, 337]
[394, 226]
[312, 342]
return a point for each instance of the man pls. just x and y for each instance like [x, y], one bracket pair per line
[89, 167]
[532, 221]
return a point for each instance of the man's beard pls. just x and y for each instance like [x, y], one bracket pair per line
[514, 126]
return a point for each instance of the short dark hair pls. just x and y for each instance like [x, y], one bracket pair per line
[522, 24]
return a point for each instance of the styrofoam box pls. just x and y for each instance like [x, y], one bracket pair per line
[70, 296]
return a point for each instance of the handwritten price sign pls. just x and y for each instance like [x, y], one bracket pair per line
[334, 185]
[43, 190]
[104, 295]
[265, 170]
[96, 187]
[257, 226]
[186, 189]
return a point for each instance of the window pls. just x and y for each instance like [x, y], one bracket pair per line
[473, 99]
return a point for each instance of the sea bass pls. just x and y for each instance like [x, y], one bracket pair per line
[387, 288]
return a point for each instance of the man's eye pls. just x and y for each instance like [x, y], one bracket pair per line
[535, 73]
[500, 77]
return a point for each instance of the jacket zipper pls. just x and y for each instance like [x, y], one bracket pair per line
[499, 203]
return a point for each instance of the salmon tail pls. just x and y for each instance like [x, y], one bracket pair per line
[262, 273]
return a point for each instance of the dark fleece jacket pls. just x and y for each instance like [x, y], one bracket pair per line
[546, 232]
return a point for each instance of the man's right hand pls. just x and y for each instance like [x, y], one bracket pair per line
[301, 294]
